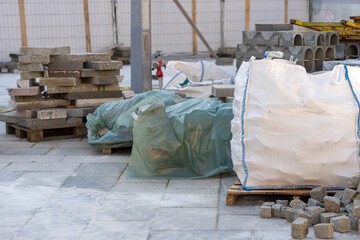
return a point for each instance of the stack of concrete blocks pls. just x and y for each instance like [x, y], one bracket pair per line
[310, 48]
[122, 54]
[55, 84]
[12, 65]
[339, 213]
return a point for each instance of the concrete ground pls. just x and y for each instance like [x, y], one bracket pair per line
[66, 190]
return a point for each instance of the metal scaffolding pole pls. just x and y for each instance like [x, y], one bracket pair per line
[141, 80]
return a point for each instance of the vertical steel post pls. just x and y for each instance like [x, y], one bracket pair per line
[141, 80]
[222, 24]
[311, 10]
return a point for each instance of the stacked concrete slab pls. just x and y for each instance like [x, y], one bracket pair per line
[57, 87]
[310, 48]
[122, 54]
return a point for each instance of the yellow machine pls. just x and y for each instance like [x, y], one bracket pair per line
[348, 31]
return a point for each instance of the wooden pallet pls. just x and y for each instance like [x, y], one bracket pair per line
[236, 191]
[116, 150]
[47, 134]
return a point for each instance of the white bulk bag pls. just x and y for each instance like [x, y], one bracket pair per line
[294, 129]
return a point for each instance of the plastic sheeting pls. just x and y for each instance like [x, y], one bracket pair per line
[293, 129]
[116, 116]
[194, 78]
[172, 137]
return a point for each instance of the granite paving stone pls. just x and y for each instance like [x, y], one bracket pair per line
[90, 182]
[97, 159]
[49, 179]
[108, 230]
[190, 197]
[30, 158]
[85, 202]
[8, 233]
[42, 167]
[185, 219]
[251, 223]
[100, 169]
[55, 224]
[24, 151]
[198, 235]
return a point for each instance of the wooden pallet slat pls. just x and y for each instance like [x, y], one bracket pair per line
[236, 191]
[46, 134]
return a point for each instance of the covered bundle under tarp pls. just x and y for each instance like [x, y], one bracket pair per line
[172, 137]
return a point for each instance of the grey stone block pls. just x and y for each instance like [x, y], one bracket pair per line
[303, 54]
[276, 210]
[28, 59]
[341, 224]
[268, 204]
[112, 65]
[330, 53]
[332, 204]
[93, 94]
[186, 219]
[314, 38]
[312, 202]
[291, 38]
[95, 73]
[299, 228]
[303, 214]
[332, 38]
[34, 67]
[265, 212]
[68, 58]
[101, 80]
[315, 214]
[261, 38]
[52, 114]
[224, 61]
[59, 81]
[26, 83]
[349, 194]
[354, 222]
[339, 195]
[297, 203]
[352, 182]
[66, 74]
[223, 90]
[274, 27]
[30, 75]
[357, 197]
[356, 211]
[283, 202]
[324, 230]
[80, 112]
[318, 193]
[91, 182]
[350, 208]
[66, 66]
[319, 56]
[340, 51]
[247, 51]
[352, 50]
[290, 214]
[44, 50]
[283, 211]
[104, 57]
[325, 217]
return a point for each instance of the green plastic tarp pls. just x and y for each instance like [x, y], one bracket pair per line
[173, 137]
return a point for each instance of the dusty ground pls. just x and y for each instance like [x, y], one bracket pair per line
[66, 190]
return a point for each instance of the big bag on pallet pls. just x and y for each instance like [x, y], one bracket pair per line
[292, 129]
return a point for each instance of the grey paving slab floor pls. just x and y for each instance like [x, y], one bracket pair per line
[66, 190]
